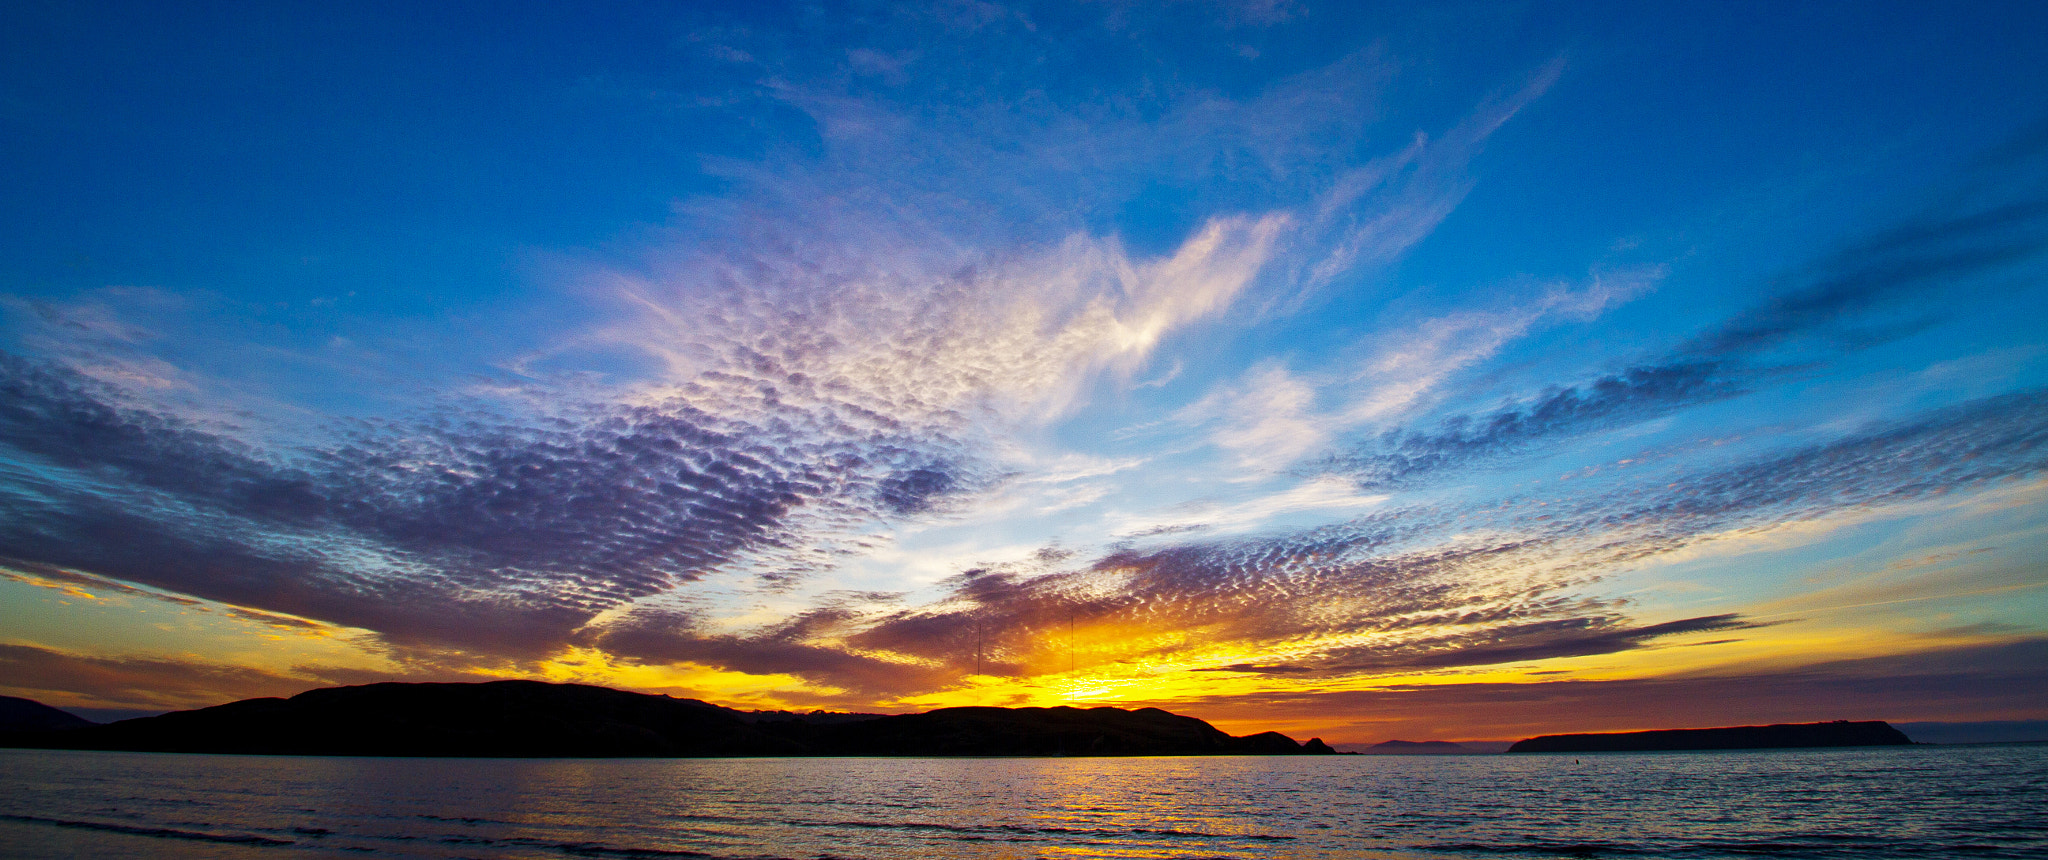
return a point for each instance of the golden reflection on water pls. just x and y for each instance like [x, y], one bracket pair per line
[1838, 803]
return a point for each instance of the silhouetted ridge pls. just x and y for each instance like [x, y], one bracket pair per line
[29, 715]
[1418, 748]
[500, 718]
[1840, 733]
[534, 719]
[1045, 731]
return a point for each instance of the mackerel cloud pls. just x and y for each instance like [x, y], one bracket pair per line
[836, 359]
[820, 372]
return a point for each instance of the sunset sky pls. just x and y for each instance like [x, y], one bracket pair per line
[1364, 371]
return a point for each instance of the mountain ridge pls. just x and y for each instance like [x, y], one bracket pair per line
[1839, 733]
[28, 715]
[1401, 747]
[543, 720]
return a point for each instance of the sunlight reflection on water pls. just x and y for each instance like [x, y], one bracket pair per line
[1989, 801]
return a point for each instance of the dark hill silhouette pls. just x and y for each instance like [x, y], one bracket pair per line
[502, 718]
[1840, 733]
[534, 719]
[29, 715]
[1047, 731]
[1418, 748]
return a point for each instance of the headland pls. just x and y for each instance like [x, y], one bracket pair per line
[1840, 733]
[535, 719]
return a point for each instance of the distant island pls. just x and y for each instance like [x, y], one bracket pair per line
[541, 720]
[1840, 733]
[1418, 748]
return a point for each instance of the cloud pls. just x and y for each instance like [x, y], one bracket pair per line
[1848, 300]
[787, 648]
[466, 530]
[1266, 420]
[1370, 215]
[1316, 494]
[1406, 366]
[152, 683]
[1936, 452]
[870, 269]
[137, 682]
[1403, 459]
[510, 539]
[1396, 591]
[1034, 616]
[72, 582]
[1270, 418]
[1546, 640]
[955, 246]
[871, 324]
[850, 337]
[981, 148]
[2004, 680]
[1509, 643]
[856, 334]
[1926, 253]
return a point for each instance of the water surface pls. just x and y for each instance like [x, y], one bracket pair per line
[1977, 801]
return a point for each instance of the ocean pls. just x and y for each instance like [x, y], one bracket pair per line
[1923, 801]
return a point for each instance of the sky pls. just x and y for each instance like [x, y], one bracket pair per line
[1363, 371]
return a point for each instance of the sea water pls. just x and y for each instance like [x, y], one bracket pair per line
[1922, 801]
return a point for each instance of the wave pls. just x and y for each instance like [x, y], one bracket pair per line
[158, 832]
[1818, 846]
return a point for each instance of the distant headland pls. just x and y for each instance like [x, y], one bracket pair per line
[1840, 733]
[1419, 748]
[541, 720]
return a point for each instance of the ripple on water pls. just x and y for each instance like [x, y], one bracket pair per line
[1987, 802]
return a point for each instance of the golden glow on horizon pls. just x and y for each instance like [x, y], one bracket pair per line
[1097, 664]
[1845, 612]
[583, 665]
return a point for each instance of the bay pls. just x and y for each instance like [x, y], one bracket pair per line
[1923, 801]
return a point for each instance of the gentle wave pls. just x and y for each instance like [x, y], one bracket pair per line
[158, 832]
[1814, 847]
[1849, 804]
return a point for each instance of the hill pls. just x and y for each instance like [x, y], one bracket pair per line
[534, 719]
[1418, 748]
[29, 715]
[1840, 733]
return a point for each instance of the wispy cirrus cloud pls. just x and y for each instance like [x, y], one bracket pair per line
[1273, 418]
[1872, 291]
[1405, 367]
[879, 266]
[1370, 215]
[920, 342]
[782, 353]
[833, 350]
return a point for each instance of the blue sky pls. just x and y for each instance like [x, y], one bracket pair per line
[1247, 359]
